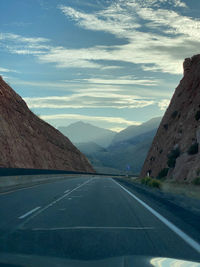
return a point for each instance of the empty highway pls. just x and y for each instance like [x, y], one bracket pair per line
[92, 218]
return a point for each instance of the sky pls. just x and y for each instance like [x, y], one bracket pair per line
[111, 63]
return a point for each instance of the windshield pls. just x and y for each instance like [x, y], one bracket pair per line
[99, 151]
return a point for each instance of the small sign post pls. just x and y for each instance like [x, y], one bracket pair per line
[128, 168]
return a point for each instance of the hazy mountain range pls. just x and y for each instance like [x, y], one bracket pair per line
[112, 152]
[81, 132]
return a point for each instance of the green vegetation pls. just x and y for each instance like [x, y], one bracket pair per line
[145, 180]
[197, 115]
[163, 173]
[174, 154]
[196, 181]
[193, 149]
[151, 182]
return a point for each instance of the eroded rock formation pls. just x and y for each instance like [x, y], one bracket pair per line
[175, 150]
[26, 141]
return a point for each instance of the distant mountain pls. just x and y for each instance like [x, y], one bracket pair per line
[96, 154]
[90, 148]
[132, 131]
[26, 141]
[126, 152]
[81, 132]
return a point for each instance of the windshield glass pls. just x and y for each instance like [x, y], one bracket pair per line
[99, 151]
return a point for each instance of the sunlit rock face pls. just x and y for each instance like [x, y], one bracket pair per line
[176, 144]
[28, 142]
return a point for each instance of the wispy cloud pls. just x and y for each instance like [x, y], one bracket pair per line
[8, 70]
[163, 104]
[89, 99]
[133, 81]
[19, 38]
[123, 18]
[103, 20]
[116, 120]
[157, 39]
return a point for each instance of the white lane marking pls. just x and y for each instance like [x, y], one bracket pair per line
[92, 227]
[28, 213]
[195, 245]
[54, 202]
[66, 191]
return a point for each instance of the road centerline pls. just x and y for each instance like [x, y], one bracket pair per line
[52, 203]
[191, 242]
[28, 213]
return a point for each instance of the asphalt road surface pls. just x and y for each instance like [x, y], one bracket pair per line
[93, 218]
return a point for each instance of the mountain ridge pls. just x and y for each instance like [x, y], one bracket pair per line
[118, 155]
[26, 141]
[81, 132]
[175, 149]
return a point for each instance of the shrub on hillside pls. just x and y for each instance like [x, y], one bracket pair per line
[163, 173]
[155, 183]
[145, 180]
[196, 181]
[151, 182]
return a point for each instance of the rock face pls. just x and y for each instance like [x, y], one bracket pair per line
[175, 150]
[28, 142]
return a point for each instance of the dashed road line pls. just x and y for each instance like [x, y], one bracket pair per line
[28, 213]
[52, 203]
[93, 228]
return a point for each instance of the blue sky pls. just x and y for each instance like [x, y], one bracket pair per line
[110, 63]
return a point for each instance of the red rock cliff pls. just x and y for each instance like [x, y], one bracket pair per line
[175, 147]
[26, 141]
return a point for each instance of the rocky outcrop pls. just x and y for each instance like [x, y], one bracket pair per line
[26, 141]
[175, 150]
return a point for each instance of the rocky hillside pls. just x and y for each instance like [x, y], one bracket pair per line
[28, 142]
[175, 150]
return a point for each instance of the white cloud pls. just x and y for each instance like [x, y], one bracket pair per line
[164, 53]
[116, 120]
[39, 83]
[8, 70]
[89, 99]
[175, 23]
[22, 39]
[116, 129]
[163, 104]
[146, 82]
[157, 3]
[113, 19]
[18, 44]
[169, 37]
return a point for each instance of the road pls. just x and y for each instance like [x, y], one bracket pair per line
[92, 218]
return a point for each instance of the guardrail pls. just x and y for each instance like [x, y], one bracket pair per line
[15, 178]
[23, 171]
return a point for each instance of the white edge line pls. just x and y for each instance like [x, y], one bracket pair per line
[195, 245]
[28, 213]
